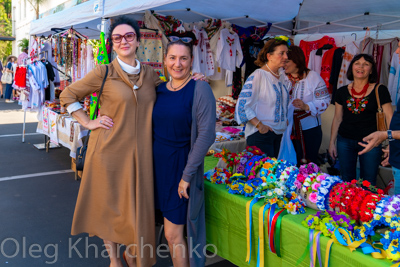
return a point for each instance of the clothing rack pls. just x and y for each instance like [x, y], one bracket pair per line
[46, 145]
[70, 31]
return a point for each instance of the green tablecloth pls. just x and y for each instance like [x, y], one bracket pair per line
[226, 229]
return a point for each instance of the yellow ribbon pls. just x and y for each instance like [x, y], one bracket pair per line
[314, 249]
[377, 255]
[248, 230]
[352, 245]
[261, 233]
[327, 252]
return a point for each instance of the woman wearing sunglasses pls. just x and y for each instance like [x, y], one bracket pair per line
[183, 130]
[116, 199]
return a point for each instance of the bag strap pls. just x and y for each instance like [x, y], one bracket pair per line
[96, 110]
[377, 97]
[97, 105]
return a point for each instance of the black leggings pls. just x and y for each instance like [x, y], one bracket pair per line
[269, 143]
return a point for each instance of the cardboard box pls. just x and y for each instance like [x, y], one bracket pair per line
[78, 174]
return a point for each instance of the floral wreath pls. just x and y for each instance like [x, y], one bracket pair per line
[284, 38]
[218, 175]
[324, 189]
[328, 222]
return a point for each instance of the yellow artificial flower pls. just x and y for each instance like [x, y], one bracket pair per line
[392, 256]
[248, 189]
[235, 187]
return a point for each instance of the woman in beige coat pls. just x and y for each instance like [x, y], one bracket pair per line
[116, 200]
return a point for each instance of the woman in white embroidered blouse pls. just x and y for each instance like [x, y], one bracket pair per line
[264, 99]
[310, 98]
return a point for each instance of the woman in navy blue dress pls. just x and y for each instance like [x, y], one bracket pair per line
[179, 149]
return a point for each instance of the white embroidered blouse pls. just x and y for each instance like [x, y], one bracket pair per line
[312, 90]
[265, 97]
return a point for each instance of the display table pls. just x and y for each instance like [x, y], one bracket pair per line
[226, 229]
[61, 129]
[235, 146]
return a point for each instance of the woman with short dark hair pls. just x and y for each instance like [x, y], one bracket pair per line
[264, 98]
[310, 97]
[355, 118]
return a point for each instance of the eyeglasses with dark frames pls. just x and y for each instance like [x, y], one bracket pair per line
[117, 38]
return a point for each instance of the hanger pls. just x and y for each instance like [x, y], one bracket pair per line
[255, 34]
[355, 36]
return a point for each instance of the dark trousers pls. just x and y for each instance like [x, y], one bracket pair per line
[8, 93]
[269, 143]
[312, 142]
[347, 150]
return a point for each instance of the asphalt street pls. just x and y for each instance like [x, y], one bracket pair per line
[37, 200]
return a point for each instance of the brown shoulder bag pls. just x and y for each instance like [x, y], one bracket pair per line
[381, 124]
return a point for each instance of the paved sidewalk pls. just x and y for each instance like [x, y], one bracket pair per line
[37, 200]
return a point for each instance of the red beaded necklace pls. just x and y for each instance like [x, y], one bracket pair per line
[361, 93]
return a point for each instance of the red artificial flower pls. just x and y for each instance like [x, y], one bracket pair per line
[366, 183]
[380, 191]
[354, 181]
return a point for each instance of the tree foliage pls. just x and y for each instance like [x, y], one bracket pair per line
[35, 4]
[5, 28]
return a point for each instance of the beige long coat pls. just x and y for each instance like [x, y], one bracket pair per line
[115, 200]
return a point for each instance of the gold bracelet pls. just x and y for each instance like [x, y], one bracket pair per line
[258, 124]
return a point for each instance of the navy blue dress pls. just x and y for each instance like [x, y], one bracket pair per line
[172, 120]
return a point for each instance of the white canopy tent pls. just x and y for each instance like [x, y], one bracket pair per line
[87, 16]
[84, 18]
[287, 17]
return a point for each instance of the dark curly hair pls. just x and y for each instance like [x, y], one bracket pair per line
[123, 20]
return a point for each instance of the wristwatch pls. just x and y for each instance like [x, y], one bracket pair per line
[389, 133]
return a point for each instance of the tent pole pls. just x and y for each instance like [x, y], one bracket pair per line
[228, 19]
[280, 28]
[296, 19]
[387, 23]
[23, 127]
[201, 14]
[353, 17]
[166, 11]
[389, 16]
[349, 26]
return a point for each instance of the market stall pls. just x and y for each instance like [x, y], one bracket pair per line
[242, 211]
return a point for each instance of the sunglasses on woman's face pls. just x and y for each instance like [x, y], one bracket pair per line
[129, 37]
[183, 39]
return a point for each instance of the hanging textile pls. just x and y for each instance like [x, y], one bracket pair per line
[203, 60]
[350, 52]
[394, 79]
[150, 51]
[326, 67]
[308, 46]
[244, 33]
[335, 71]
[251, 48]
[211, 26]
[21, 58]
[382, 51]
[229, 53]
[169, 24]
[102, 57]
